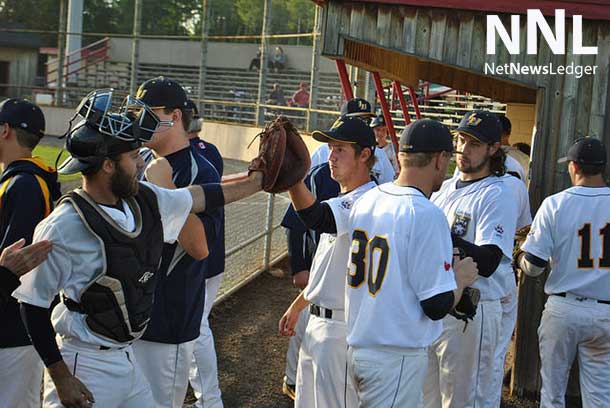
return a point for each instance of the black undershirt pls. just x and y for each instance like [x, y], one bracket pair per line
[439, 305]
[37, 321]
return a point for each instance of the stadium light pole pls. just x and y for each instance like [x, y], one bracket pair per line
[205, 29]
[262, 77]
[61, 53]
[135, 46]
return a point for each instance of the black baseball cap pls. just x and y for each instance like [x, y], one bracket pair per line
[378, 121]
[162, 92]
[505, 123]
[190, 104]
[588, 151]
[426, 136]
[482, 125]
[347, 130]
[357, 107]
[23, 114]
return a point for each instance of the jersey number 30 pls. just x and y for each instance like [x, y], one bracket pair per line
[363, 251]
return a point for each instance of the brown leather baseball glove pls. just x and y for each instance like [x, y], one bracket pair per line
[282, 156]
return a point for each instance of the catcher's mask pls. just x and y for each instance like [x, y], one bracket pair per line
[145, 119]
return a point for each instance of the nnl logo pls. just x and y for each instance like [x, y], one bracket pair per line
[535, 22]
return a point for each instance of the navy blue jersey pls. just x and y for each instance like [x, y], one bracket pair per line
[302, 242]
[180, 290]
[216, 248]
[28, 189]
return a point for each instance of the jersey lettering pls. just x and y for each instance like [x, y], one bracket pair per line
[585, 261]
[363, 248]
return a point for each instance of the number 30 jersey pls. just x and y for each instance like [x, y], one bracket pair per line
[400, 255]
[572, 229]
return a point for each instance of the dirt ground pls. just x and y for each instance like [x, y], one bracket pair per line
[251, 355]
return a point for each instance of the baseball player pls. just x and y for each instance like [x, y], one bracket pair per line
[571, 234]
[482, 214]
[381, 136]
[107, 242]
[203, 375]
[166, 349]
[359, 108]
[321, 374]
[302, 243]
[27, 190]
[400, 280]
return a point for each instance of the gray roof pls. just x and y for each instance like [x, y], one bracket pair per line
[18, 40]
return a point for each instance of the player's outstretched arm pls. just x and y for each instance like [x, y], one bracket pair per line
[300, 196]
[216, 195]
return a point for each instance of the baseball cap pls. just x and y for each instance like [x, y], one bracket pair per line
[357, 107]
[23, 114]
[482, 125]
[505, 123]
[378, 121]
[190, 104]
[162, 92]
[425, 136]
[347, 130]
[586, 150]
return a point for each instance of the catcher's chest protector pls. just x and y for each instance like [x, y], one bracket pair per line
[119, 301]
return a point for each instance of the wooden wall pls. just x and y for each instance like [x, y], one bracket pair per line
[22, 71]
[449, 48]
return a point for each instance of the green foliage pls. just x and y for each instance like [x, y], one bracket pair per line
[166, 17]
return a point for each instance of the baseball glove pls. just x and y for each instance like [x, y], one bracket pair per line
[283, 157]
[466, 308]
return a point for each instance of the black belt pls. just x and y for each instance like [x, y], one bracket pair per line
[604, 302]
[320, 311]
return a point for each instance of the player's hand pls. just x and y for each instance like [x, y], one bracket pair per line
[466, 272]
[288, 322]
[159, 172]
[71, 391]
[300, 279]
[20, 260]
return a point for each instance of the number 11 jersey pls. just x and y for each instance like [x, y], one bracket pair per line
[572, 229]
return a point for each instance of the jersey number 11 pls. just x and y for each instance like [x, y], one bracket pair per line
[586, 261]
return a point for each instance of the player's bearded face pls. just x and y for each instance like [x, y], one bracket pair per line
[124, 181]
[475, 154]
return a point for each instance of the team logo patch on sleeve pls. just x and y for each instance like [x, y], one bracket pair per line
[499, 230]
[447, 266]
[460, 224]
[347, 204]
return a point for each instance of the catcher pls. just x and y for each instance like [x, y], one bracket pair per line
[107, 239]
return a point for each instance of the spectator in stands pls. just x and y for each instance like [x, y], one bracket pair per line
[381, 137]
[256, 61]
[279, 60]
[276, 97]
[300, 97]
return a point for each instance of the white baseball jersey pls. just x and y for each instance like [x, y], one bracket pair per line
[382, 169]
[572, 229]
[391, 153]
[521, 197]
[513, 166]
[401, 254]
[484, 213]
[326, 286]
[77, 258]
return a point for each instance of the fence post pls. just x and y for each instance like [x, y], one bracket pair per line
[61, 52]
[135, 47]
[312, 117]
[262, 77]
[268, 231]
[205, 28]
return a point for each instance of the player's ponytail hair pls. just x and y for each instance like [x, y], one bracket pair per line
[496, 162]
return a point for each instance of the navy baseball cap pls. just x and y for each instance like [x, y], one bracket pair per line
[23, 114]
[347, 130]
[505, 123]
[378, 121]
[162, 92]
[587, 151]
[426, 136]
[357, 107]
[482, 125]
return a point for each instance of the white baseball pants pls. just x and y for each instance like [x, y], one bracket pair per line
[461, 363]
[391, 378]
[322, 369]
[203, 374]
[166, 367]
[569, 326]
[112, 376]
[20, 377]
[294, 345]
[507, 327]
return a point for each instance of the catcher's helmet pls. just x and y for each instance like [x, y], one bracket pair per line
[89, 147]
